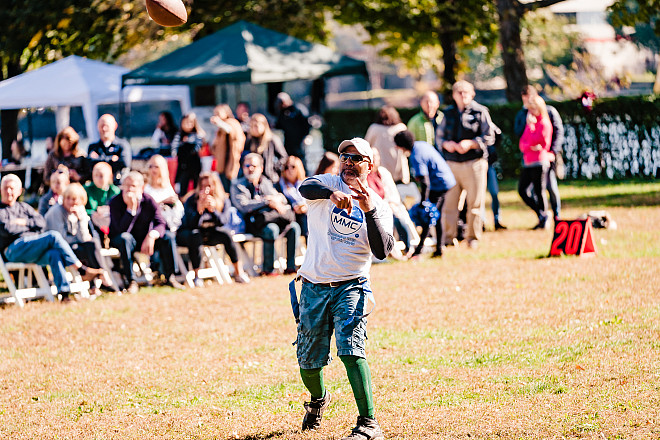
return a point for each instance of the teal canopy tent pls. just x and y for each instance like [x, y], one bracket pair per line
[245, 52]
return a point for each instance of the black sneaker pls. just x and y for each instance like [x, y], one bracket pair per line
[500, 227]
[314, 412]
[366, 429]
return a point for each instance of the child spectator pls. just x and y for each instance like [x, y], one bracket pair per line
[59, 180]
[99, 193]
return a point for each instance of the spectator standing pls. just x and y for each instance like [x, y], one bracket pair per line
[491, 182]
[292, 120]
[293, 175]
[464, 135]
[185, 147]
[66, 153]
[556, 159]
[137, 224]
[380, 135]
[111, 149]
[71, 221]
[423, 124]
[243, 116]
[263, 142]
[228, 144]
[266, 213]
[22, 239]
[59, 180]
[206, 220]
[164, 134]
[535, 145]
[434, 178]
[329, 164]
[99, 193]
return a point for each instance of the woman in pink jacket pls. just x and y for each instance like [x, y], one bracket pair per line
[535, 147]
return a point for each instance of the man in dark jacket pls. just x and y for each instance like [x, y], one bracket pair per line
[22, 239]
[464, 136]
[555, 146]
[111, 149]
[137, 224]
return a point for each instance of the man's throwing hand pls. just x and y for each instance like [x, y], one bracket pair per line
[342, 201]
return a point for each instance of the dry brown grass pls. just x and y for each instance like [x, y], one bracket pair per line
[492, 343]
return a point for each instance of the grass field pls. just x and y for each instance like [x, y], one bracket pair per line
[498, 342]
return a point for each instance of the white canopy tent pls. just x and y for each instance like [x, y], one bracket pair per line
[76, 81]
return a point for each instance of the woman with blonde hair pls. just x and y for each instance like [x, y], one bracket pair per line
[535, 146]
[66, 153]
[263, 142]
[293, 175]
[160, 189]
[206, 221]
[70, 219]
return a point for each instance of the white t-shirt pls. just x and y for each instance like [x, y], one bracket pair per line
[338, 246]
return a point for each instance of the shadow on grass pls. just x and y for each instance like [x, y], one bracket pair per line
[648, 198]
[264, 436]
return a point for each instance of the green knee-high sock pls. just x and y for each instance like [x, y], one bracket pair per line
[313, 380]
[360, 378]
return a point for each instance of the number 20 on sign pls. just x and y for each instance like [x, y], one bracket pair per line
[573, 237]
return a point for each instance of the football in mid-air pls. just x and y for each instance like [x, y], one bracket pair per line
[167, 12]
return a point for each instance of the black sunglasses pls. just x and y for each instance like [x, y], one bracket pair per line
[355, 158]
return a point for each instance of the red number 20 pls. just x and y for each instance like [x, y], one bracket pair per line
[562, 230]
[573, 239]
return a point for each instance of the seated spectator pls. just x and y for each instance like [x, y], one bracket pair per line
[266, 212]
[263, 142]
[99, 193]
[66, 153]
[18, 152]
[160, 189]
[293, 175]
[22, 239]
[164, 133]
[137, 225]
[205, 223]
[382, 182]
[380, 136]
[243, 116]
[59, 180]
[185, 146]
[329, 164]
[433, 176]
[72, 222]
[117, 152]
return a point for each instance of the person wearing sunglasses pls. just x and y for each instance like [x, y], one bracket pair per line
[348, 222]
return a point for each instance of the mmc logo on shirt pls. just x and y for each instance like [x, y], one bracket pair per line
[346, 224]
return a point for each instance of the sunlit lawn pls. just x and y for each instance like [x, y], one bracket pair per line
[500, 342]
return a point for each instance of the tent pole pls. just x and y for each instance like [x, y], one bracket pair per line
[121, 111]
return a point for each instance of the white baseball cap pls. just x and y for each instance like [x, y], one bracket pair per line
[360, 144]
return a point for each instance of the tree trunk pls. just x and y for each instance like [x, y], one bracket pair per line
[9, 126]
[510, 13]
[448, 43]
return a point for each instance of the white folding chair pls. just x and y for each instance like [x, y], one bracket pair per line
[21, 288]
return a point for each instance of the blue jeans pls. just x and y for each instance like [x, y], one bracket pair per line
[127, 245]
[48, 248]
[269, 234]
[493, 189]
[324, 310]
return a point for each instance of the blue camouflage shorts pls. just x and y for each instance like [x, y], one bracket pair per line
[324, 309]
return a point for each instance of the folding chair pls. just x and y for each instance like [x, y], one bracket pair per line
[20, 287]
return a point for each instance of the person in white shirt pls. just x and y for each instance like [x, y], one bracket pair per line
[347, 223]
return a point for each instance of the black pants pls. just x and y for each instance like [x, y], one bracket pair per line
[87, 254]
[165, 246]
[438, 199]
[196, 239]
[536, 177]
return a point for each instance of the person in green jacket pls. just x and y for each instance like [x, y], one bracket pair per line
[99, 193]
[424, 123]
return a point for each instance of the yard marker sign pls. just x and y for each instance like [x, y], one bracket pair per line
[573, 237]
